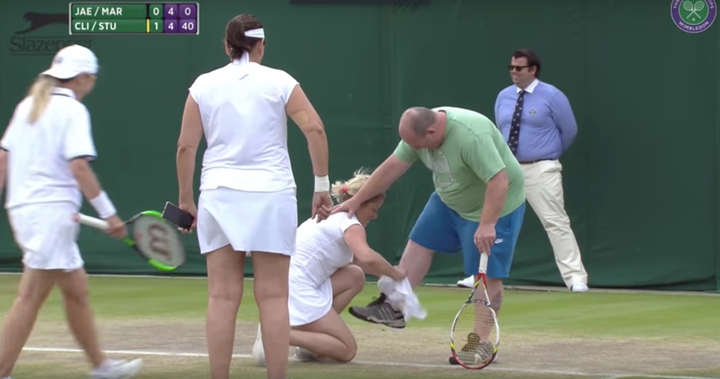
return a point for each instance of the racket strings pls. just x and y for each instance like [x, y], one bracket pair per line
[158, 240]
[476, 334]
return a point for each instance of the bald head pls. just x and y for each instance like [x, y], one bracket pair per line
[418, 120]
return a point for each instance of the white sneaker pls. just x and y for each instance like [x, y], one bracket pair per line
[468, 282]
[258, 350]
[304, 355]
[579, 287]
[117, 369]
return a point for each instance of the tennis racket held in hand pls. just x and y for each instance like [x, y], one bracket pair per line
[151, 236]
[475, 333]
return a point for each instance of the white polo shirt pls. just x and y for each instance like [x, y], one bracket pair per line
[242, 107]
[320, 248]
[39, 154]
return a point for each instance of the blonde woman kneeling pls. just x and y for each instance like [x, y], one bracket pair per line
[326, 272]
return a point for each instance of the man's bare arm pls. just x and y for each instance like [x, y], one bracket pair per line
[382, 178]
[495, 194]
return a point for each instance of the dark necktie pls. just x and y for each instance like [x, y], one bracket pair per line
[514, 135]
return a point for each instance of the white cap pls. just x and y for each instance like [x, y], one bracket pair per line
[72, 61]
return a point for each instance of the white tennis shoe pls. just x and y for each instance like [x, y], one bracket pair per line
[258, 350]
[468, 282]
[305, 355]
[579, 287]
[117, 369]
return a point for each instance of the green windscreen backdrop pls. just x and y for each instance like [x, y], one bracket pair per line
[640, 181]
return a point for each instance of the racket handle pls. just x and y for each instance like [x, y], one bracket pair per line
[483, 263]
[93, 222]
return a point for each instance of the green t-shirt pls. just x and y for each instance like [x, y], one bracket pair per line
[472, 151]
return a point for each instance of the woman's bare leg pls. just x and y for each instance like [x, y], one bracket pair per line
[34, 288]
[74, 289]
[225, 288]
[326, 337]
[270, 285]
[331, 338]
[347, 282]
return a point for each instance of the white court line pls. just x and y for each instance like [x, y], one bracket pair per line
[373, 363]
[509, 287]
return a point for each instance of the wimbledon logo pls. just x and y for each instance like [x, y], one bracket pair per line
[693, 16]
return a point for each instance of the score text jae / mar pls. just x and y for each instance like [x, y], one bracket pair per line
[93, 11]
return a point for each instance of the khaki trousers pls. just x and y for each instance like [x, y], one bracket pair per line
[544, 193]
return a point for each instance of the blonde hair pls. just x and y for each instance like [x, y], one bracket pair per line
[342, 191]
[40, 93]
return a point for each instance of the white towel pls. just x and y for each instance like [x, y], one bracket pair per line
[401, 296]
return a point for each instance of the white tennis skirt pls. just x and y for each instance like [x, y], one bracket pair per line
[248, 221]
[47, 235]
[307, 302]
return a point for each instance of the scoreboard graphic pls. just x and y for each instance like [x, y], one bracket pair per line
[134, 18]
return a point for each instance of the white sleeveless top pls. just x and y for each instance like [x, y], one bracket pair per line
[320, 248]
[242, 107]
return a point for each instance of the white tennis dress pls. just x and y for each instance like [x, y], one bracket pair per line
[247, 189]
[42, 193]
[320, 251]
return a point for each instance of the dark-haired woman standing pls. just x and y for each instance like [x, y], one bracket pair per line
[247, 197]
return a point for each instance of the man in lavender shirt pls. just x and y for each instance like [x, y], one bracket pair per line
[537, 122]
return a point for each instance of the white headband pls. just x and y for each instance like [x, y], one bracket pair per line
[255, 33]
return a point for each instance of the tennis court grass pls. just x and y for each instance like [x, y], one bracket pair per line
[544, 335]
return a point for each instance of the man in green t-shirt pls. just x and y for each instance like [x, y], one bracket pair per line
[478, 203]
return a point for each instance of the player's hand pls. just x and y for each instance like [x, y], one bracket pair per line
[321, 205]
[349, 206]
[485, 237]
[191, 208]
[116, 227]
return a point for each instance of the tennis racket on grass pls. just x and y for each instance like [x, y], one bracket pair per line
[475, 328]
[151, 236]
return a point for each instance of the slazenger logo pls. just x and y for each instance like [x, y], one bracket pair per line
[22, 43]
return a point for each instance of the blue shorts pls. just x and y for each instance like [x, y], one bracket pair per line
[442, 230]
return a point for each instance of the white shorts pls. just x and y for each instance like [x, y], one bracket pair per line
[248, 221]
[307, 302]
[47, 235]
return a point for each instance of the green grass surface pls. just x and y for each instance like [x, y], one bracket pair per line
[544, 334]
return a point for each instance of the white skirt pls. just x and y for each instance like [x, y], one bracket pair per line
[307, 302]
[47, 235]
[248, 221]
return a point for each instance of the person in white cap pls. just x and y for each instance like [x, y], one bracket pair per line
[45, 155]
[247, 200]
